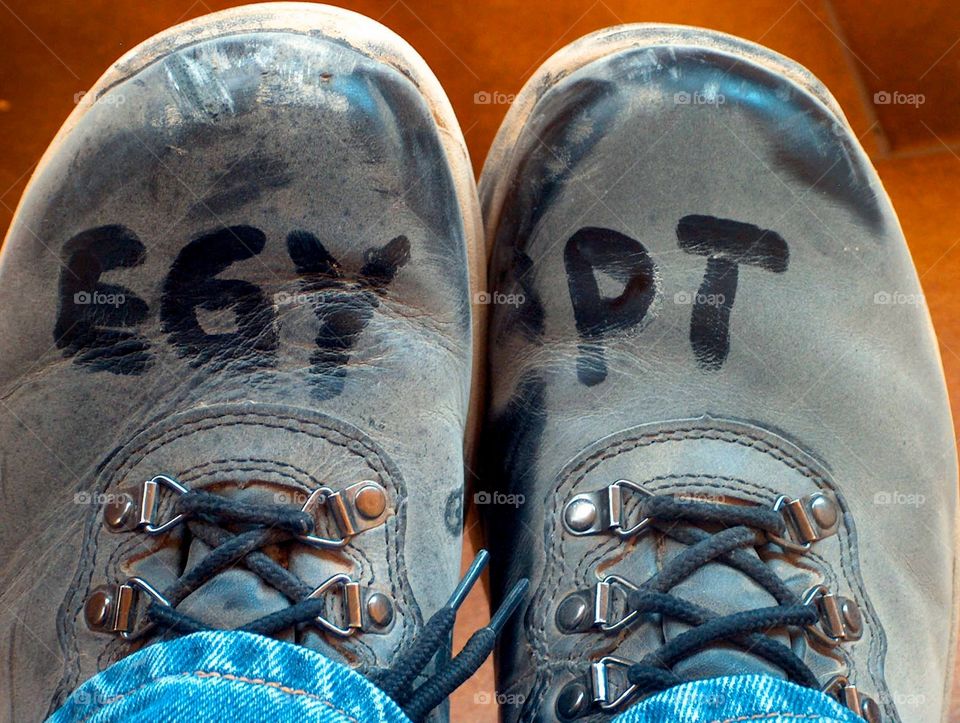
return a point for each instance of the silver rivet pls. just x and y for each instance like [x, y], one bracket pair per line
[851, 616]
[117, 514]
[580, 515]
[572, 701]
[380, 609]
[572, 612]
[824, 511]
[370, 501]
[870, 710]
[98, 608]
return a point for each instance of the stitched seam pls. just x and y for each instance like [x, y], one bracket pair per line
[276, 686]
[362, 449]
[577, 474]
[769, 716]
[538, 646]
[202, 674]
[120, 696]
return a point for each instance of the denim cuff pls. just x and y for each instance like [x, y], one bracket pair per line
[739, 699]
[232, 676]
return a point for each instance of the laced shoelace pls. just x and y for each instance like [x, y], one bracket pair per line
[397, 680]
[744, 527]
[209, 515]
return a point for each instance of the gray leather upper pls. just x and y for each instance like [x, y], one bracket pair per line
[245, 267]
[650, 193]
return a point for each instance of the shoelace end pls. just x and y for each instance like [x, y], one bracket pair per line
[470, 578]
[509, 605]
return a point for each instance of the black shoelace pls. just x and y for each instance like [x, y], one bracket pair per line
[744, 527]
[397, 681]
[208, 516]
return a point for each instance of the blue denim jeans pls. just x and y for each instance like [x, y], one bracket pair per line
[239, 677]
[739, 699]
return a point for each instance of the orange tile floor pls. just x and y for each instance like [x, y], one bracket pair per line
[56, 49]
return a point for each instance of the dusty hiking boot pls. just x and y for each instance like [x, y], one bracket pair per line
[236, 316]
[719, 439]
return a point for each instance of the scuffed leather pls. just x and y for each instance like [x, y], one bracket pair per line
[364, 374]
[600, 374]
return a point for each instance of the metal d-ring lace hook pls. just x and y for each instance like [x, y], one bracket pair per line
[840, 619]
[603, 604]
[354, 509]
[113, 609]
[602, 688]
[807, 519]
[604, 511]
[351, 597]
[135, 509]
[840, 687]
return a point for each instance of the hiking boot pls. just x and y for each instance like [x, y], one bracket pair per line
[237, 317]
[718, 440]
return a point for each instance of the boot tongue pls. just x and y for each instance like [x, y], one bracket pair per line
[268, 455]
[709, 461]
[723, 590]
[716, 586]
[237, 596]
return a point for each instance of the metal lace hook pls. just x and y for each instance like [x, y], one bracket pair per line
[356, 508]
[602, 690]
[351, 596]
[603, 511]
[134, 509]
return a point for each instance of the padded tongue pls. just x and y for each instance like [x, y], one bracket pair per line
[268, 455]
[716, 586]
[723, 590]
[702, 460]
[238, 595]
